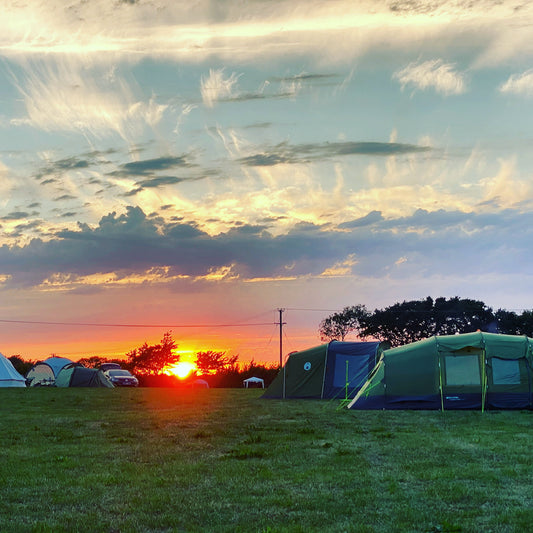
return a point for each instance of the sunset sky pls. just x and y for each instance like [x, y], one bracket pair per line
[194, 166]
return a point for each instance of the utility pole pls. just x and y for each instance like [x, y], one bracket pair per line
[280, 311]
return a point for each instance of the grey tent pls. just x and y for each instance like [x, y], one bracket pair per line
[80, 376]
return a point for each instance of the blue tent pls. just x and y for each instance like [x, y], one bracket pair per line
[333, 370]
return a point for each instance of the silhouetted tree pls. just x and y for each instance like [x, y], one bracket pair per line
[265, 372]
[21, 366]
[414, 320]
[526, 323]
[507, 322]
[410, 321]
[511, 323]
[153, 359]
[95, 361]
[338, 325]
[211, 362]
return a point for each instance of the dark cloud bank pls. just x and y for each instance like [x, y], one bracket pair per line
[432, 242]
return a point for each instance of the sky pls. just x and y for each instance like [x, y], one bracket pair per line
[195, 166]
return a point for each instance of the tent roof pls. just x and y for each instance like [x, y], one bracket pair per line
[254, 380]
[8, 375]
[57, 363]
[506, 346]
[356, 348]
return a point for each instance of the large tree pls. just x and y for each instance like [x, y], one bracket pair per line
[513, 324]
[414, 320]
[153, 359]
[211, 362]
[338, 325]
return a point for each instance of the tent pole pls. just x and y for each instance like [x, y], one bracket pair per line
[483, 379]
[325, 369]
[280, 311]
[281, 367]
[346, 388]
[440, 385]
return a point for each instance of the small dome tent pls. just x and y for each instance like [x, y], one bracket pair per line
[467, 371]
[44, 373]
[334, 370]
[80, 376]
[9, 377]
[200, 384]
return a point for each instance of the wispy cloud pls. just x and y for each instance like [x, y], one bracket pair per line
[16, 215]
[147, 167]
[65, 95]
[196, 31]
[434, 74]
[520, 84]
[217, 86]
[285, 153]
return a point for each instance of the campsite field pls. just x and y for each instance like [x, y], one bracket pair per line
[147, 459]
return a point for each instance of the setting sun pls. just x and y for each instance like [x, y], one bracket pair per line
[181, 370]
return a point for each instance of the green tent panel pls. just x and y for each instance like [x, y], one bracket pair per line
[80, 376]
[333, 370]
[469, 371]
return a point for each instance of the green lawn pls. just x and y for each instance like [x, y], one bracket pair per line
[120, 460]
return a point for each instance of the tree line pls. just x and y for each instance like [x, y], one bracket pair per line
[414, 320]
[150, 363]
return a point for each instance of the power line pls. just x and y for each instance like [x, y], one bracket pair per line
[314, 310]
[101, 325]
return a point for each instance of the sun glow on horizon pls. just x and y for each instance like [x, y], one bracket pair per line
[181, 370]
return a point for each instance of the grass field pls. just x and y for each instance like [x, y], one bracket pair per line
[120, 460]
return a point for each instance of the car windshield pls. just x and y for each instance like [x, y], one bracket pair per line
[120, 373]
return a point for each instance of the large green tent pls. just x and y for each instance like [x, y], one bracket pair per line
[468, 371]
[333, 370]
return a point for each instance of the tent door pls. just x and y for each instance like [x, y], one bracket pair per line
[463, 378]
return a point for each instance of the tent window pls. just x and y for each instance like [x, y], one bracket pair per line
[505, 371]
[462, 370]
